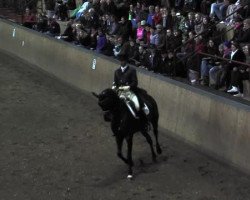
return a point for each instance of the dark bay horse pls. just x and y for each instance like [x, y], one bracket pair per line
[124, 125]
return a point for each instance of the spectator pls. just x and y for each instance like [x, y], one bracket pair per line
[244, 12]
[216, 72]
[133, 52]
[108, 50]
[168, 64]
[193, 62]
[160, 38]
[219, 9]
[113, 25]
[150, 17]
[165, 19]
[163, 63]
[206, 27]
[97, 7]
[93, 39]
[152, 37]
[138, 8]
[109, 7]
[205, 4]
[148, 33]
[189, 25]
[232, 15]
[244, 34]
[154, 60]
[53, 28]
[179, 4]
[181, 23]
[233, 69]
[42, 23]
[141, 33]
[101, 41]
[207, 62]
[187, 49]
[238, 29]
[241, 74]
[192, 4]
[177, 40]
[121, 48]
[82, 38]
[169, 40]
[71, 4]
[198, 25]
[85, 7]
[90, 19]
[143, 13]
[125, 28]
[29, 18]
[68, 34]
[173, 20]
[157, 17]
[141, 57]
[61, 10]
[131, 12]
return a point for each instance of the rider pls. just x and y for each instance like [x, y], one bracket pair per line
[125, 79]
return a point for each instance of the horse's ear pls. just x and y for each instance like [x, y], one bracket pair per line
[96, 95]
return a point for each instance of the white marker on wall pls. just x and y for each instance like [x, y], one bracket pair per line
[94, 63]
[22, 43]
[14, 32]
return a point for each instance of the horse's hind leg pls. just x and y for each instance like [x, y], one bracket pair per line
[150, 142]
[155, 129]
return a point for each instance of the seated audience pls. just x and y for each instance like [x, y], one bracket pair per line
[29, 18]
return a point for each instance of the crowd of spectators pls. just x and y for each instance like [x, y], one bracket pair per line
[165, 37]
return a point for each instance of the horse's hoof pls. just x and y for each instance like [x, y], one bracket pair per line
[130, 177]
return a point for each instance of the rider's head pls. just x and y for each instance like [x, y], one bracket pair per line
[123, 60]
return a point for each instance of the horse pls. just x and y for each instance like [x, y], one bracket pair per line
[124, 124]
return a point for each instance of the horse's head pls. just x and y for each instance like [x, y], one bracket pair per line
[107, 99]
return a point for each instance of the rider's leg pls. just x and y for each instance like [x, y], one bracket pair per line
[135, 100]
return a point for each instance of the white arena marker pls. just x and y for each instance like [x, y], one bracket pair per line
[14, 32]
[22, 43]
[94, 64]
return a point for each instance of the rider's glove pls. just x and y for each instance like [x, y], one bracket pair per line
[113, 87]
[124, 88]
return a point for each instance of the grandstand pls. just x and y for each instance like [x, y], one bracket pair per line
[143, 25]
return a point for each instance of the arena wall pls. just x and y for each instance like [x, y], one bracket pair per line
[216, 125]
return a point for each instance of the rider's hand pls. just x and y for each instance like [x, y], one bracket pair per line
[113, 87]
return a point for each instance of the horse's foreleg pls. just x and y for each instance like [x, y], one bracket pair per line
[119, 142]
[150, 142]
[129, 157]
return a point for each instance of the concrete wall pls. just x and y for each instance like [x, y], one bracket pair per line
[215, 124]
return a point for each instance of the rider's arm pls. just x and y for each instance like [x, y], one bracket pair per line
[134, 81]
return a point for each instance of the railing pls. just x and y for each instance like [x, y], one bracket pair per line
[225, 59]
